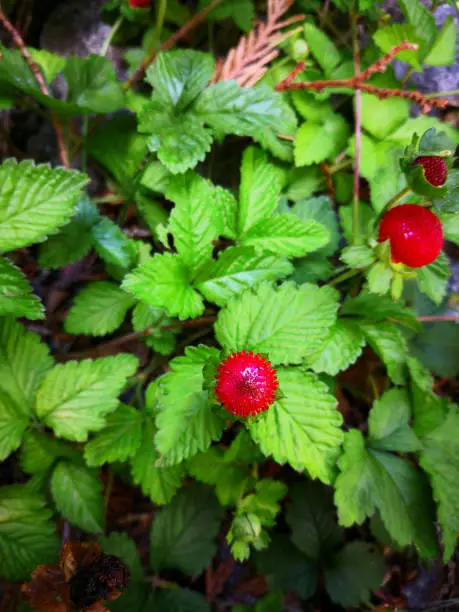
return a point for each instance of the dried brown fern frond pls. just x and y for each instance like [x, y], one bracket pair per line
[248, 62]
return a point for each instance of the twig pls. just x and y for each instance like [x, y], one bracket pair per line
[190, 323]
[170, 42]
[358, 82]
[247, 62]
[41, 84]
[439, 318]
[358, 134]
[328, 179]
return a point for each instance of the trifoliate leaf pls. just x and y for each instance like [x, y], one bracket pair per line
[35, 201]
[16, 296]
[388, 343]
[24, 361]
[259, 190]
[388, 427]
[433, 279]
[110, 243]
[316, 142]
[13, 423]
[163, 282]
[188, 420]
[193, 219]
[119, 439]
[320, 209]
[286, 569]
[183, 533]
[443, 51]
[381, 117]
[354, 573]
[27, 535]
[423, 20]
[237, 269]
[312, 518]
[98, 309]
[39, 451]
[302, 427]
[77, 493]
[286, 236]
[372, 479]
[264, 501]
[74, 397]
[74, 240]
[391, 36]
[322, 48]
[156, 481]
[380, 308]
[179, 76]
[123, 547]
[440, 459]
[284, 323]
[340, 349]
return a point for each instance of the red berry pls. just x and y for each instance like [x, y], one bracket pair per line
[435, 169]
[246, 384]
[415, 234]
[139, 3]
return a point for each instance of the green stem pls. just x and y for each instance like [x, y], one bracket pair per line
[442, 94]
[162, 6]
[407, 75]
[84, 153]
[397, 198]
[111, 35]
[344, 276]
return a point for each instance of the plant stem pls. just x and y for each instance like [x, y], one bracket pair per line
[407, 75]
[108, 490]
[438, 318]
[441, 94]
[162, 6]
[111, 35]
[344, 276]
[358, 133]
[84, 153]
[397, 198]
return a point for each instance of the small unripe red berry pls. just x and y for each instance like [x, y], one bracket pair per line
[139, 3]
[415, 235]
[246, 384]
[435, 169]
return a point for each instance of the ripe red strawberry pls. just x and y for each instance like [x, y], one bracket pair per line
[246, 384]
[139, 3]
[415, 234]
[435, 169]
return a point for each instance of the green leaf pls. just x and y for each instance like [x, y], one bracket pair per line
[366, 218]
[163, 282]
[339, 350]
[391, 36]
[316, 142]
[429, 409]
[388, 427]
[119, 439]
[380, 308]
[312, 518]
[320, 209]
[123, 547]
[322, 48]
[98, 309]
[379, 278]
[287, 236]
[13, 423]
[155, 177]
[237, 269]
[284, 323]
[73, 241]
[309, 106]
[74, 397]
[157, 482]
[50, 63]
[241, 11]
[438, 347]
[39, 451]
[226, 205]
[404, 134]
[77, 493]
[450, 224]
[93, 85]
[302, 427]
[423, 20]
[381, 117]
[302, 182]
[443, 51]
[259, 190]
[183, 533]
[193, 219]
[433, 279]
[110, 243]
[388, 343]
[16, 296]
[188, 420]
[264, 502]
[440, 459]
[179, 76]
[24, 361]
[357, 256]
[286, 569]
[179, 600]
[27, 535]
[35, 201]
[373, 479]
[354, 573]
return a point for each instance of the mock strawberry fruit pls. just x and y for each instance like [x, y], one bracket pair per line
[435, 169]
[415, 235]
[246, 384]
[139, 3]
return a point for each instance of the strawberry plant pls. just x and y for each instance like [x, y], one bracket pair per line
[228, 334]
